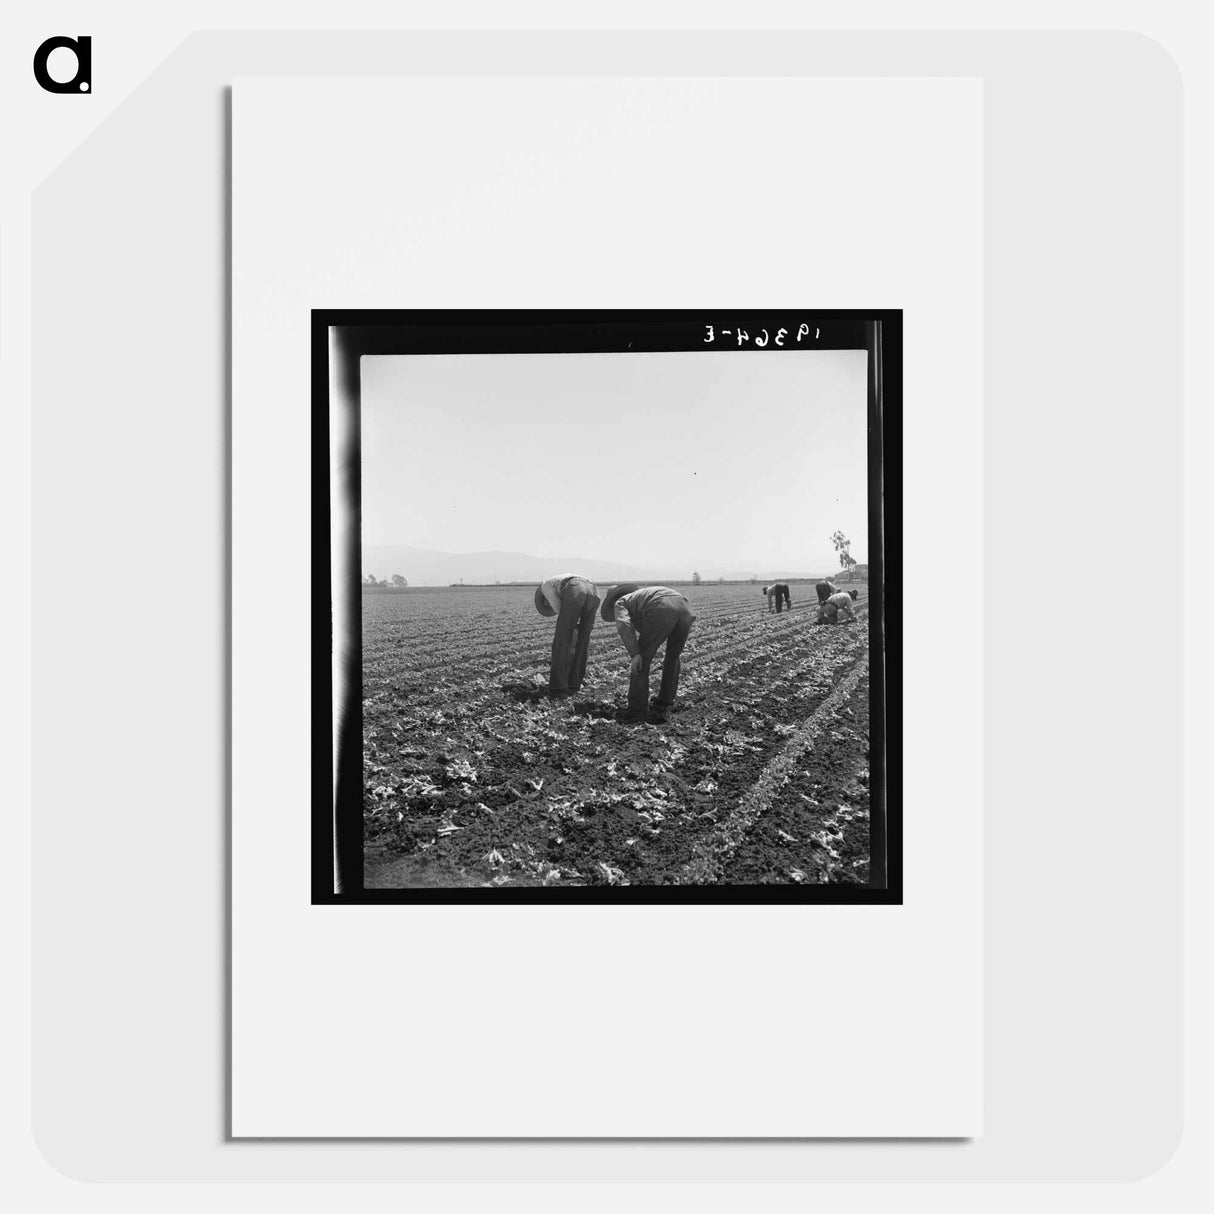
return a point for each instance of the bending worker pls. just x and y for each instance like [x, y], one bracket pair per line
[837, 605]
[573, 600]
[646, 619]
[825, 590]
[778, 594]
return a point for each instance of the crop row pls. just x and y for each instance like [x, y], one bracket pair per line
[488, 790]
[754, 639]
[531, 641]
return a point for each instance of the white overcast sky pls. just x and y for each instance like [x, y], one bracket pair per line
[750, 457]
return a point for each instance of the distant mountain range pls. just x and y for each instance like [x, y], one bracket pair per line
[427, 567]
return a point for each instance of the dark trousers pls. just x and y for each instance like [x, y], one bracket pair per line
[579, 605]
[825, 590]
[669, 621]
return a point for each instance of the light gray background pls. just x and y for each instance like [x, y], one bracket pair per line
[1082, 715]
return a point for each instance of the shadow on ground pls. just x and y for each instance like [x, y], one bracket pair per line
[525, 693]
[596, 708]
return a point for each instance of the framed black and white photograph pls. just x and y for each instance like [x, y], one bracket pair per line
[609, 604]
[569, 635]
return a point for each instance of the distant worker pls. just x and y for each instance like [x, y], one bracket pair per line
[646, 619]
[574, 601]
[777, 595]
[825, 590]
[837, 605]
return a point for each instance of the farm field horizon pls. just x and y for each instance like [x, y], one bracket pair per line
[679, 583]
[472, 776]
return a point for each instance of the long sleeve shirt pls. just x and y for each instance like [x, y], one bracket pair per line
[842, 602]
[630, 607]
[550, 588]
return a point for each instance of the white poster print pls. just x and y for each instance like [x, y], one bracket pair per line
[604, 1020]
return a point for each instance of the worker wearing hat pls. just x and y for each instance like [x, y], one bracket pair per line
[777, 595]
[838, 604]
[646, 619]
[574, 601]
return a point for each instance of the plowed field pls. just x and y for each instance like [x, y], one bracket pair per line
[473, 776]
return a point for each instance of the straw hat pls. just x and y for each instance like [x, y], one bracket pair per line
[608, 609]
[541, 603]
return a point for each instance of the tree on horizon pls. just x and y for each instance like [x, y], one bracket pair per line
[842, 545]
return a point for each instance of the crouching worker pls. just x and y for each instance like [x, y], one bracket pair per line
[574, 601]
[646, 619]
[777, 596]
[825, 590]
[837, 606]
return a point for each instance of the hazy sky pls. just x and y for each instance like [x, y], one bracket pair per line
[673, 458]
